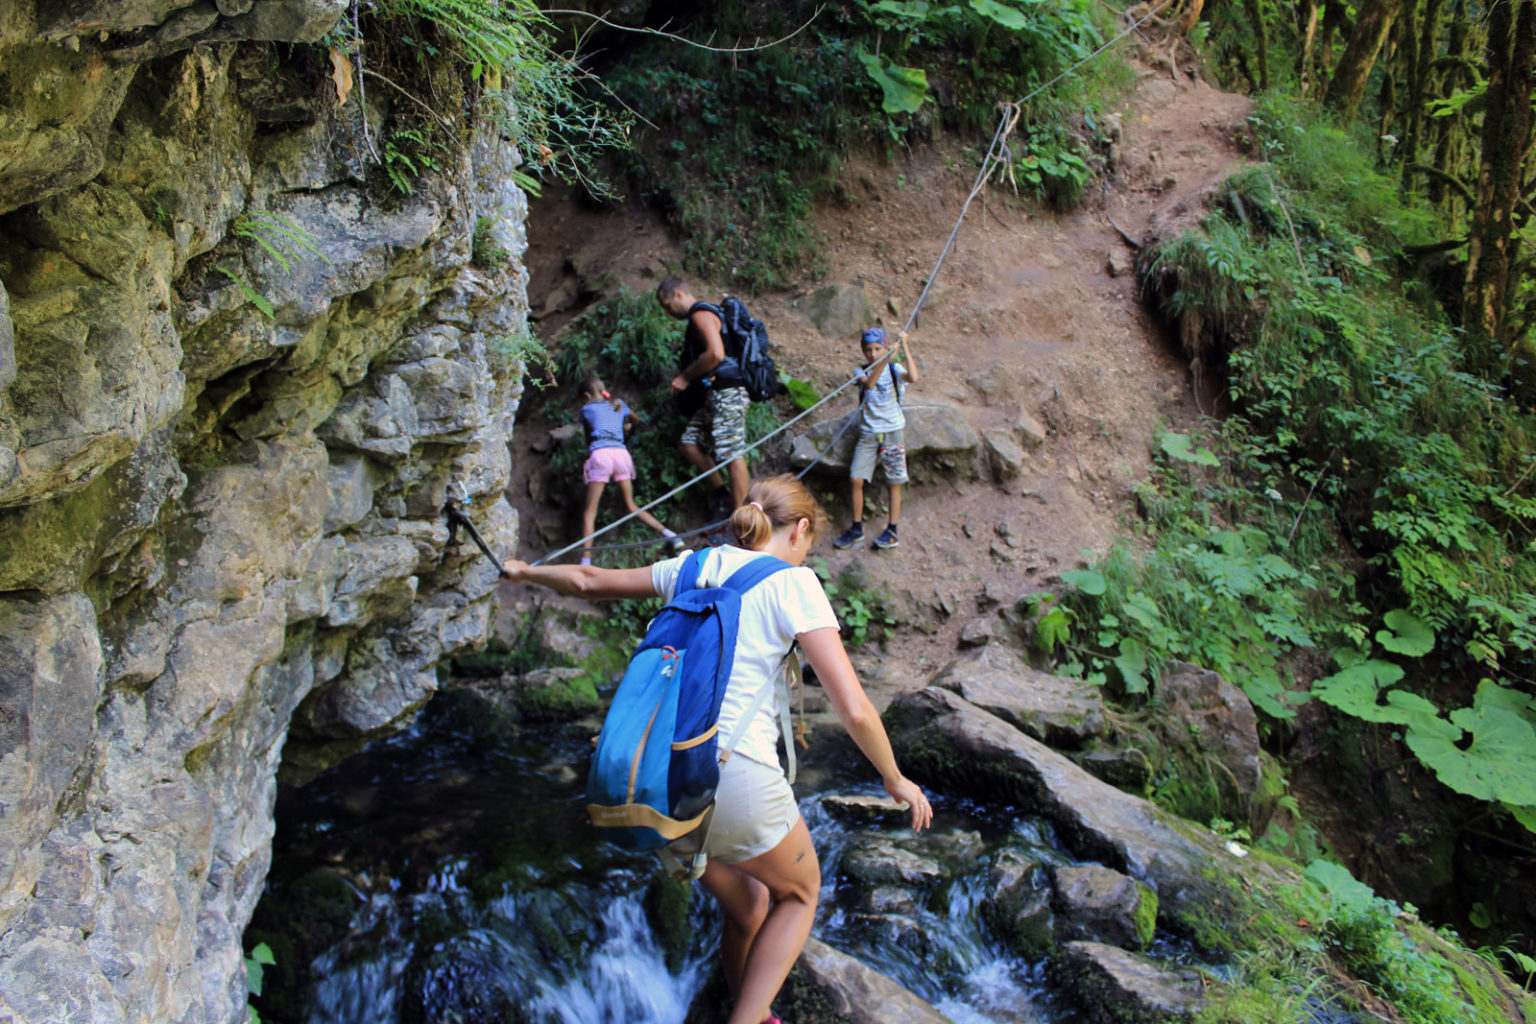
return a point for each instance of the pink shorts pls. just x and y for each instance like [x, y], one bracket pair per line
[606, 465]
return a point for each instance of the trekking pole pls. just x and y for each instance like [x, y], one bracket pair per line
[457, 519]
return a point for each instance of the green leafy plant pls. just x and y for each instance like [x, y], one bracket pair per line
[483, 249]
[255, 967]
[865, 614]
[277, 236]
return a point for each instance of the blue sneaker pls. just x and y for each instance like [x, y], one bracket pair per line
[888, 539]
[849, 537]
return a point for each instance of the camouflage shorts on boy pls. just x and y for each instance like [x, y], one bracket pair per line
[723, 419]
[888, 447]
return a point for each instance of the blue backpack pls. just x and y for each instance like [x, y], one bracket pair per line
[656, 766]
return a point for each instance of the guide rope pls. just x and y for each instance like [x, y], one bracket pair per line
[998, 155]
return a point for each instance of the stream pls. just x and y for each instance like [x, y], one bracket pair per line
[448, 874]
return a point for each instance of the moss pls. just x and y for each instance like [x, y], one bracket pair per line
[1145, 915]
[666, 908]
[560, 701]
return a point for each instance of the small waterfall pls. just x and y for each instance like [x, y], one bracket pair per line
[475, 892]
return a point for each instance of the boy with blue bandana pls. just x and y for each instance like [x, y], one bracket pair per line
[881, 428]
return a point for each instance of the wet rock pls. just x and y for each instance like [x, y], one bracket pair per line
[1017, 905]
[1117, 986]
[1203, 889]
[554, 695]
[977, 633]
[940, 442]
[859, 809]
[839, 311]
[827, 985]
[876, 861]
[1054, 709]
[1005, 456]
[887, 899]
[1098, 903]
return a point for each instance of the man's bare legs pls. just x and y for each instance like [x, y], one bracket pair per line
[695, 455]
[769, 904]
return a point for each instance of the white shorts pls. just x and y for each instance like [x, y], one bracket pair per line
[754, 811]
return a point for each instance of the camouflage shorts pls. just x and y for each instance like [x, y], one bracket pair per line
[888, 447]
[723, 419]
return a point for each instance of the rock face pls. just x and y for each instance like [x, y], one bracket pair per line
[939, 440]
[1053, 709]
[223, 541]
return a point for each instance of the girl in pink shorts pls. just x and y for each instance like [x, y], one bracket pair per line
[606, 420]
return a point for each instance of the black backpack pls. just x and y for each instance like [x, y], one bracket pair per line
[747, 363]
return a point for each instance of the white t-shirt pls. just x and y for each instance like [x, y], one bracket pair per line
[787, 603]
[881, 411]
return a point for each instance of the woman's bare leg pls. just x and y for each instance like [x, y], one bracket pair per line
[791, 876]
[626, 491]
[589, 517]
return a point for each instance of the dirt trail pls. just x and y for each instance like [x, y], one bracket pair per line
[1025, 315]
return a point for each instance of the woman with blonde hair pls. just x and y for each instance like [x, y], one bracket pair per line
[761, 868]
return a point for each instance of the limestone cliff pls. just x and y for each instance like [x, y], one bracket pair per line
[221, 542]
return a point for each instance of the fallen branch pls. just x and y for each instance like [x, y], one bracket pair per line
[641, 30]
[1122, 233]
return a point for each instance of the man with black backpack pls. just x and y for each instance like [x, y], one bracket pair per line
[710, 390]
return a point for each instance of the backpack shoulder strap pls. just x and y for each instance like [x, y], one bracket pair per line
[754, 572]
[710, 306]
[688, 574]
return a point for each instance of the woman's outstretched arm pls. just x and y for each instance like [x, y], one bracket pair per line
[585, 581]
[824, 650]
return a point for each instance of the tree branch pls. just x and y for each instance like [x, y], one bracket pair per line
[1449, 179]
[599, 19]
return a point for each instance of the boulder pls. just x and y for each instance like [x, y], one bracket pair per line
[939, 439]
[1204, 890]
[976, 633]
[992, 381]
[1016, 906]
[1099, 903]
[1005, 456]
[839, 311]
[830, 987]
[1209, 728]
[1117, 986]
[1054, 709]
[1028, 429]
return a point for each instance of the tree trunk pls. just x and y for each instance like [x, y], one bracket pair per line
[1308, 12]
[1335, 17]
[1347, 86]
[1255, 12]
[1492, 243]
[1446, 132]
[1423, 57]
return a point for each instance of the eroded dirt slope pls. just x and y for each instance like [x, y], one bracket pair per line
[1027, 315]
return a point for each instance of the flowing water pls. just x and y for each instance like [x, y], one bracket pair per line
[448, 875]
